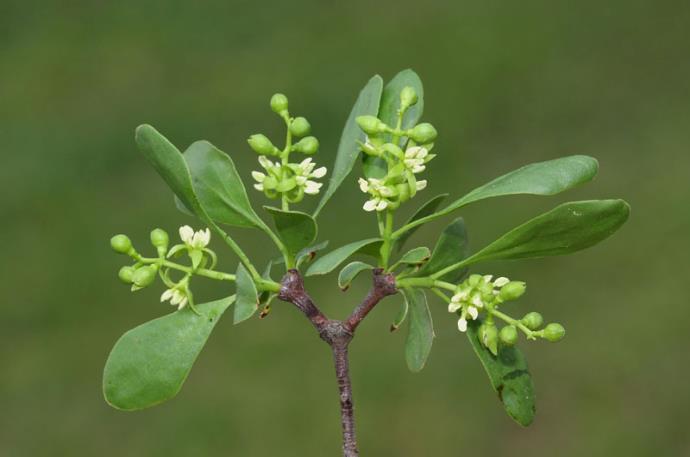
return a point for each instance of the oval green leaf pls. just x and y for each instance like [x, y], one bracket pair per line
[350, 272]
[451, 248]
[330, 261]
[297, 230]
[149, 363]
[400, 317]
[247, 296]
[168, 161]
[542, 178]
[420, 334]
[426, 209]
[219, 187]
[567, 228]
[416, 256]
[348, 149]
[509, 376]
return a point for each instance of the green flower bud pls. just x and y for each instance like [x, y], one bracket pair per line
[262, 145]
[307, 145]
[488, 335]
[532, 320]
[554, 332]
[508, 335]
[512, 291]
[408, 97]
[371, 124]
[125, 274]
[423, 133]
[159, 238]
[144, 276]
[279, 103]
[474, 279]
[121, 244]
[300, 127]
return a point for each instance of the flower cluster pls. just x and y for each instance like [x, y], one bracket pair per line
[403, 153]
[282, 179]
[481, 293]
[144, 271]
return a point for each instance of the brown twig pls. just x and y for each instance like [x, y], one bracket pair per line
[338, 335]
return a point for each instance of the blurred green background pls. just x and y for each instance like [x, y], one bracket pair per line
[507, 83]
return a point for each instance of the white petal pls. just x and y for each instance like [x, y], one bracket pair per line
[205, 236]
[301, 180]
[370, 205]
[477, 301]
[319, 172]
[383, 204]
[502, 281]
[186, 234]
[304, 165]
[264, 162]
[418, 169]
[312, 187]
[182, 304]
[166, 295]
[423, 152]
[453, 307]
[412, 152]
[177, 297]
[386, 191]
[259, 187]
[363, 185]
[488, 278]
[421, 184]
[462, 324]
[258, 176]
[472, 311]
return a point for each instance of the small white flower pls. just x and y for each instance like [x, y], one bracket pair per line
[415, 158]
[379, 192]
[453, 307]
[421, 184]
[196, 240]
[363, 185]
[319, 172]
[176, 297]
[258, 176]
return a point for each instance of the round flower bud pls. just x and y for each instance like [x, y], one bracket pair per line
[532, 320]
[508, 335]
[125, 274]
[144, 276]
[423, 133]
[159, 238]
[261, 145]
[300, 127]
[408, 97]
[371, 124]
[554, 332]
[512, 291]
[307, 145]
[121, 244]
[488, 335]
[279, 103]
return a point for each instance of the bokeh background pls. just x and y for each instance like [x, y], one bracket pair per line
[507, 83]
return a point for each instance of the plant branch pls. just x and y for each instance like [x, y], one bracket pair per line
[338, 334]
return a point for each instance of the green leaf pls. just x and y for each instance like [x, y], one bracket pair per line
[296, 230]
[350, 272]
[307, 254]
[149, 363]
[247, 295]
[168, 161]
[400, 317]
[375, 167]
[348, 149]
[450, 248]
[415, 256]
[541, 178]
[567, 228]
[330, 261]
[420, 335]
[219, 187]
[426, 209]
[509, 376]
